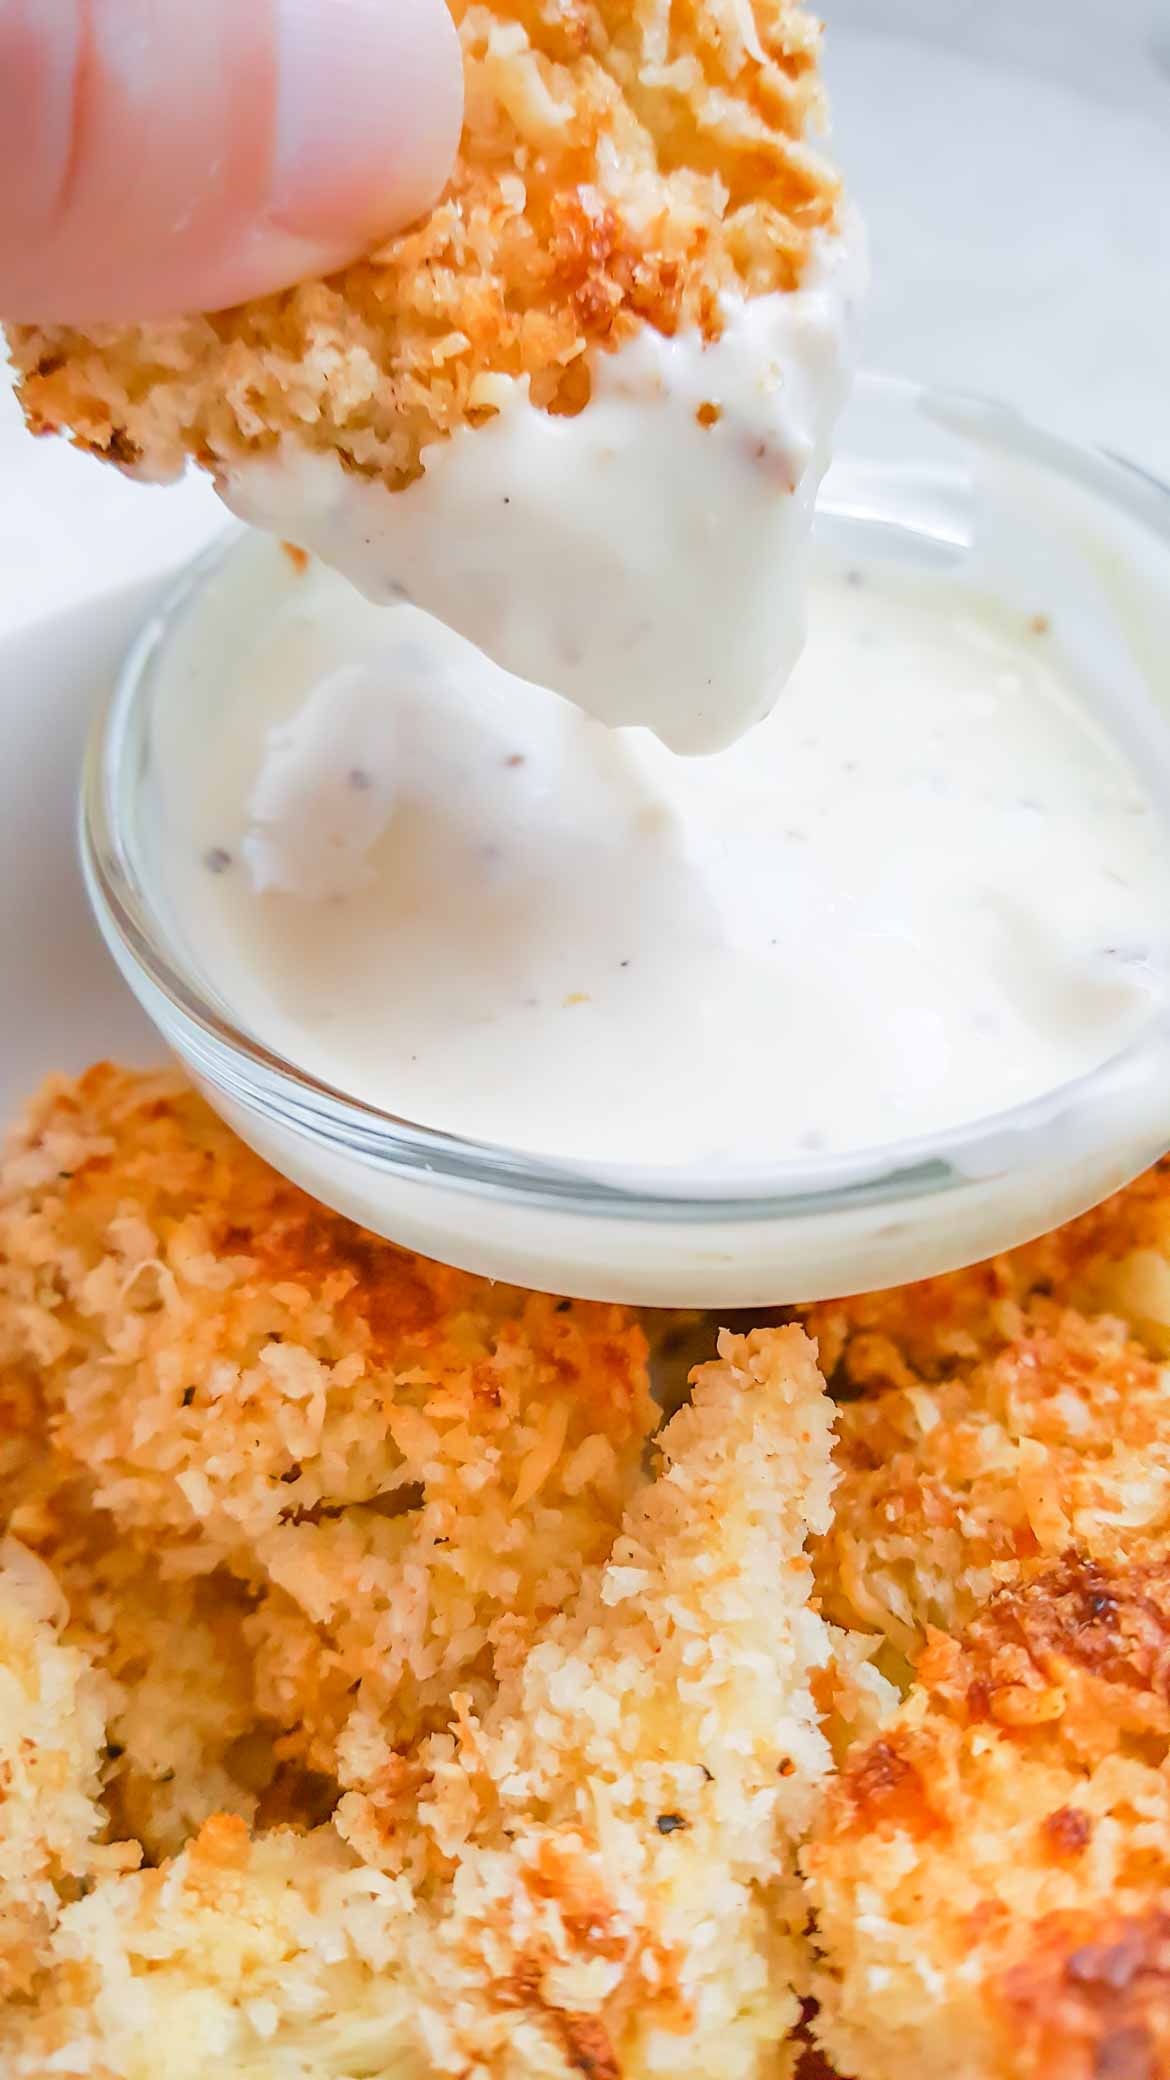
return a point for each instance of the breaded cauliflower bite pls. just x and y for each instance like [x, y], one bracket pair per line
[596, 1874]
[621, 165]
[52, 1731]
[990, 1878]
[402, 1469]
[1060, 1441]
[381, 1698]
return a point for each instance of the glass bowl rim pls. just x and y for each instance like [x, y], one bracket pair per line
[264, 1082]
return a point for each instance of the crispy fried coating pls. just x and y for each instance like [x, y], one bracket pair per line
[519, 1486]
[620, 165]
[603, 1877]
[52, 1731]
[404, 1468]
[184, 1737]
[1062, 1440]
[654, 1758]
[176, 1683]
[263, 1957]
[1114, 1259]
[330, 1536]
[988, 1874]
[990, 1877]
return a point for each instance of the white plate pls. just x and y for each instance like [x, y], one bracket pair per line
[1022, 245]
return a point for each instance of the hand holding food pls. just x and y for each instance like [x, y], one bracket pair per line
[638, 280]
[158, 157]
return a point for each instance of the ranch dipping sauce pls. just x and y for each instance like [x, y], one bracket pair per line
[646, 556]
[926, 888]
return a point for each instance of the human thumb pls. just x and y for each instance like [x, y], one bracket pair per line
[159, 156]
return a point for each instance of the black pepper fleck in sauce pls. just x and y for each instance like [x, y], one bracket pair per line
[217, 860]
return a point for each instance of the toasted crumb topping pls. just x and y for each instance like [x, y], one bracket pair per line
[1062, 1439]
[381, 1695]
[975, 1869]
[277, 1396]
[620, 165]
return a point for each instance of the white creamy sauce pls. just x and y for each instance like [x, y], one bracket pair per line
[644, 562]
[927, 887]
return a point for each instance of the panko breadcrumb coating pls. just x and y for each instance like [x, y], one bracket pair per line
[1060, 1441]
[179, 1731]
[603, 1877]
[52, 1730]
[183, 1734]
[990, 1879]
[988, 1876]
[405, 1468]
[181, 1738]
[460, 1735]
[621, 164]
[1115, 1260]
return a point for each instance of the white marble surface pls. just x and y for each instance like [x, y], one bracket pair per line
[1013, 158]
[1118, 53]
[1020, 228]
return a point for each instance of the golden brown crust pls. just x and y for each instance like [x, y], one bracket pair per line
[887, 1785]
[297, 1419]
[1080, 1653]
[950, 1489]
[993, 1870]
[1091, 2002]
[620, 165]
[536, 1917]
[1003, 1522]
[560, 1748]
[1114, 1259]
[1080, 1636]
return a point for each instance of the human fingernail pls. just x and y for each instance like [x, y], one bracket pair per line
[369, 104]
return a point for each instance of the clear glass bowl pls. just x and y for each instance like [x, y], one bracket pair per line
[925, 479]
